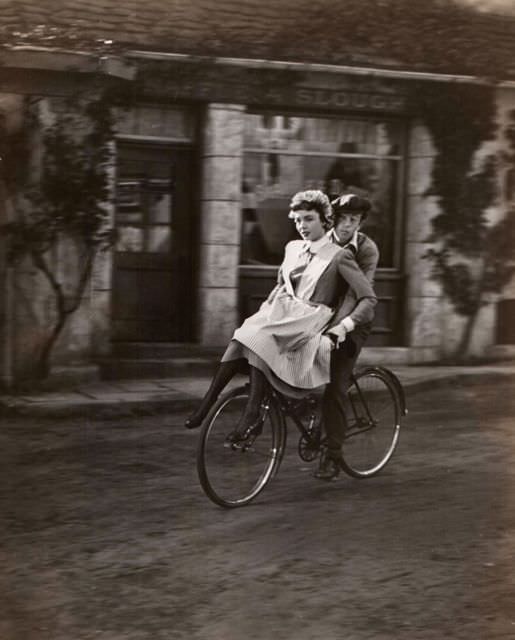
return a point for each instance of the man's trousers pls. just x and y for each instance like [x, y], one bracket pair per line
[334, 401]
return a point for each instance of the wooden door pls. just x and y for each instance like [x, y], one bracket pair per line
[152, 277]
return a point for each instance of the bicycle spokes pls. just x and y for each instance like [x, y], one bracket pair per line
[234, 467]
[310, 440]
[373, 424]
[359, 426]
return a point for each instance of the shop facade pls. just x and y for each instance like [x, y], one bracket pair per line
[254, 137]
[205, 162]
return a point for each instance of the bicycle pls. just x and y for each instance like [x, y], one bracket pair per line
[234, 468]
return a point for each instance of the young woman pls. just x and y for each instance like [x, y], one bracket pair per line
[285, 342]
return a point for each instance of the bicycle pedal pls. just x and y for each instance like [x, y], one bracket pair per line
[233, 439]
[243, 440]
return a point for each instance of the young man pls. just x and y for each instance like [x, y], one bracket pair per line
[349, 335]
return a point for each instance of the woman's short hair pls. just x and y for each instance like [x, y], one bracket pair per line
[350, 203]
[312, 200]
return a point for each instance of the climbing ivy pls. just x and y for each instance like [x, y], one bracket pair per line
[471, 256]
[63, 201]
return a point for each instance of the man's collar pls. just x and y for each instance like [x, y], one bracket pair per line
[334, 238]
[354, 240]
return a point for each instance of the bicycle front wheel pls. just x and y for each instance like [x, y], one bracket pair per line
[234, 473]
[373, 421]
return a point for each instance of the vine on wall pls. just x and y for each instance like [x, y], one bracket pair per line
[63, 203]
[470, 257]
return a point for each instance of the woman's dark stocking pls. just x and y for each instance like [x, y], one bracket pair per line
[224, 373]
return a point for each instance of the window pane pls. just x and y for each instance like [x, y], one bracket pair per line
[326, 135]
[154, 120]
[378, 180]
[129, 239]
[158, 239]
[159, 199]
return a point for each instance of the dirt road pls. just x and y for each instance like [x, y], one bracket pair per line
[105, 534]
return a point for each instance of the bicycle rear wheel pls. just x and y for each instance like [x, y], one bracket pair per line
[373, 419]
[233, 474]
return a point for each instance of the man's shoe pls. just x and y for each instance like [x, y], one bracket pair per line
[329, 468]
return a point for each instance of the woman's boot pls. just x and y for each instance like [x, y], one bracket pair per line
[223, 375]
[250, 423]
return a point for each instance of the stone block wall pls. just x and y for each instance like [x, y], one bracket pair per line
[484, 331]
[506, 300]
[423, 295]
[220, 223]
[34, 316]
[5, 307]
[100, 288]
[435, 328]
[27, 306]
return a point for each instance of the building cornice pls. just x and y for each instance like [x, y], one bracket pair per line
[60, 60]
[124, 65]
[378, 72]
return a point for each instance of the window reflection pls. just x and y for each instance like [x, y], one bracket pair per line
[130, 239]
[159, 240]
[284, 154]
[144, 215]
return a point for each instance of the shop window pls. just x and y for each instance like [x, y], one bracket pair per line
[284, 154]
[156, 121]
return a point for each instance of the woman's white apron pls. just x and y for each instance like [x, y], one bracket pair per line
[287, 332]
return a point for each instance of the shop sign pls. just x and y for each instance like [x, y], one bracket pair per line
[293, 96]
[344, 99]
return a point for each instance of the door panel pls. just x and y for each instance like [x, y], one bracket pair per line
[505, 322]
[153, 264]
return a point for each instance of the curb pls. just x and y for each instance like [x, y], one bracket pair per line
[98, 410]
[109, 409]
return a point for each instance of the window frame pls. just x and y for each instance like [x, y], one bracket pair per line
[401, 158]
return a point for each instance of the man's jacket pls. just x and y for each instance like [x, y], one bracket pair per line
[367, 257]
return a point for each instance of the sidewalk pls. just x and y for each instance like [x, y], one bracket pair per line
[166, 395]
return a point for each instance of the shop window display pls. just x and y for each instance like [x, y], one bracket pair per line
[284, 154]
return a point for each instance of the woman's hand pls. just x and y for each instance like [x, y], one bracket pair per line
[337, 335]
[339, 332]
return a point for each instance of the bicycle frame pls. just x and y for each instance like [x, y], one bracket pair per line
[360, 425]
[289, 409]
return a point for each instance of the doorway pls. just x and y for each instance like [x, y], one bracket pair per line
[153, 265]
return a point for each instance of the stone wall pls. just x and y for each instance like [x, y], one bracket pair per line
[484, 332]
[220, 223]
[12, 114]
[434, 327]
[506, 103]
[423, 295]
[34, 314]
[28, 303]
[5, 302]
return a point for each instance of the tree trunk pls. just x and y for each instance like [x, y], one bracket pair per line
[42, 367]
[464, 343]
[64, 310]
